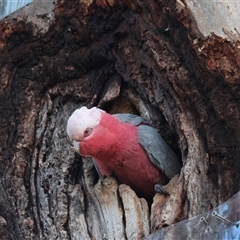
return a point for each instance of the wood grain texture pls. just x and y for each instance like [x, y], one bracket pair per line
[116, 55]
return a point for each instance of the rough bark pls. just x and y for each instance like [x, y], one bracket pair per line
[120, 57]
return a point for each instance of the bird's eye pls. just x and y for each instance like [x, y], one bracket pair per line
[87, 132]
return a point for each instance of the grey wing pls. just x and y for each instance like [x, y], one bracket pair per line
[130, 118]
[158, 151]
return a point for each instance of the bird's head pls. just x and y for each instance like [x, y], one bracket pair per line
[81, 124]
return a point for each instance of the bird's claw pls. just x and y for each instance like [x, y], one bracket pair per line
[101, 179]
[160, 189]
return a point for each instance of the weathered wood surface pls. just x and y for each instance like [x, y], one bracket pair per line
[118, 56]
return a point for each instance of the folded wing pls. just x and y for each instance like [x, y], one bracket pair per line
[156, 148]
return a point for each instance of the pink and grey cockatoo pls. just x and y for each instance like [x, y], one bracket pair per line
[124, 146]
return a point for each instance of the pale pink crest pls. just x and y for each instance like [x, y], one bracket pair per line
[81, 119]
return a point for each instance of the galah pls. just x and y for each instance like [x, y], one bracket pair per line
[124, 146]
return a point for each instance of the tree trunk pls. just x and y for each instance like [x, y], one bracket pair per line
[150, 58]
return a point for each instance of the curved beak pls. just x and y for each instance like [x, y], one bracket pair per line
[76, 146]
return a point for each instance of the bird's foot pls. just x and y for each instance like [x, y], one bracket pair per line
[160, 189]
[101, 179]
